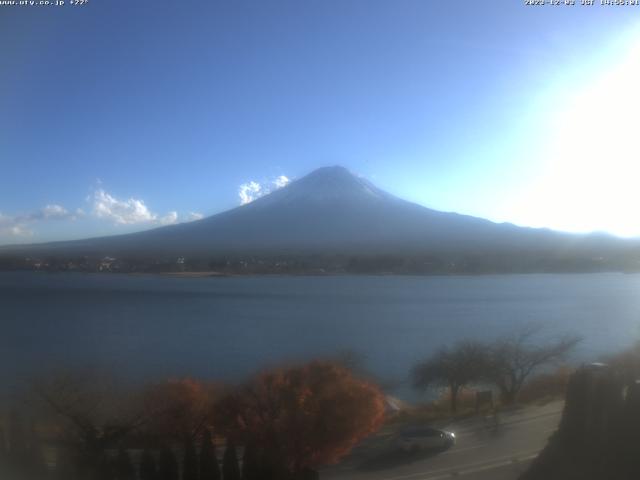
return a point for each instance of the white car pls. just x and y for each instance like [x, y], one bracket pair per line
[416, 438]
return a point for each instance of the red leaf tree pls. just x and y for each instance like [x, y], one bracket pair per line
[303, 417]
[178, 409]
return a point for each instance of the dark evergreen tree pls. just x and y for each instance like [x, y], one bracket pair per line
[148, 470]
[629, 436]
[4, 458]
[35, 461]
[3, 449]
[250, 462]
[271, 462]
[65, 466]
[230, 467]
[21, 452]
[190, 461]
[123, 467]
[307, 474]
[17, 437]
[209, 468]
[168, 465]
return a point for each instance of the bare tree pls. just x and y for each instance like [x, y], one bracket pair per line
[511, 360]
[178, 409]
[626, 363]
[452, 367]
[92, 414]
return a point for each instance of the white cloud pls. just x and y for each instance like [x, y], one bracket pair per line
[54, 211]
[49, 212]
[169, 219]
[17, 226]
[250, 191]
[281, 181]
[16, 231]
[194, 216]
[9, 226]
[20, 231]
[123, 212]
[131, 211]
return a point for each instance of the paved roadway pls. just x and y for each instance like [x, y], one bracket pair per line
[482, 452]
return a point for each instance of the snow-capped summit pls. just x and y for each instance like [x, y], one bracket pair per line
[325, 185]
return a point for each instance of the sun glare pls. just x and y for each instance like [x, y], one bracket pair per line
[592, 156]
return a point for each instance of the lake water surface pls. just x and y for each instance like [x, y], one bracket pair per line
[154, 326]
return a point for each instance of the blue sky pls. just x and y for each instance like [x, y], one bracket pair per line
[122, 115]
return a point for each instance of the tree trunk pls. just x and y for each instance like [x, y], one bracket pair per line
[454, 398]
[508, 396]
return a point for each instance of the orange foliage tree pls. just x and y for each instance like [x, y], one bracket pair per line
[178, 409]
[303, 417]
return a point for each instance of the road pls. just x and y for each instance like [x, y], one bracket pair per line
[482, 451]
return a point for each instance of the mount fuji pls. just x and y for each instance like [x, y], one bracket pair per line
[332, 211]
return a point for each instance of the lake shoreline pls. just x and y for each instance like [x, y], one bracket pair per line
[218, 274]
